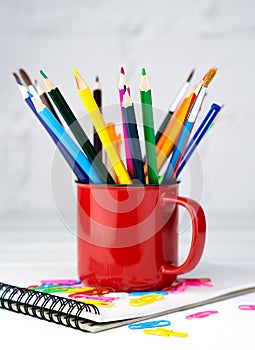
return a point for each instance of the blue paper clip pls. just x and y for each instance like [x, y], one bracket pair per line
[150, 324]
[137, 294]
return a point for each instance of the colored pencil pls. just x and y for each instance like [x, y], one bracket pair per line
[170, 174]
[148, 128]
[28, 82]
[101, 128]
[199, 135]
[123, 82]
[116, 139]
[97, 93]
[170, 136]
[76, 129]
[133, 136]
[76, 168]
[45, 99]
[174, 105]
[66, 140]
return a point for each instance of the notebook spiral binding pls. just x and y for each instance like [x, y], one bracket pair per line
[52, 308]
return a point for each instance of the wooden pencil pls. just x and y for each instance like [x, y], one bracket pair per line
[133, 136]
[45, 99]
[123, 82]
[76, 167]
[101, 128]
[174, 105]
[76, 129]
[148, 127]
[97, 93]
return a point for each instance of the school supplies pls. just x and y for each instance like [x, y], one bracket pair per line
[97, 93]
[148, 127]
[57, 306]
[133, 136]
[123, 82]
[77, 130]
[45, 99]
[116, 140]
[170, 174]
[164, 332]
[65, 139]
[198, 136]
[174, 105]
[76, 168]
[100, 126]
[28, 83]
[167, 141]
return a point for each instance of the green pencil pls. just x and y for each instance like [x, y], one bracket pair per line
[148, 127]
[77, 130]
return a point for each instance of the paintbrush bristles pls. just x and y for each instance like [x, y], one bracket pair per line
[209, 76]
[25, 77]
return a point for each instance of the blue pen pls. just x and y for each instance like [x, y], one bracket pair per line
[199, 134]
[66, 140]
[81, 175]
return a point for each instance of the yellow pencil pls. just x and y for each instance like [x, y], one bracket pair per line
[101, 128]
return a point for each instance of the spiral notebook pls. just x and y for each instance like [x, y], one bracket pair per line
[84, 316]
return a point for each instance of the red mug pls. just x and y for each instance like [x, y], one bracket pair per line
[128, 236]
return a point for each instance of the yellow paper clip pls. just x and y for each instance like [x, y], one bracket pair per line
[79, 290]
[145, 299]
[164, 332]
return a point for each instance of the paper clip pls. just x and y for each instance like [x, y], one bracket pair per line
[62, 282]
[145, 299]
[91, 297]
[151, 324]
[247, 307]
[164, 332]
[198, 282]
[53, 289]
[137, 294]
[201, 314]
[96, 302]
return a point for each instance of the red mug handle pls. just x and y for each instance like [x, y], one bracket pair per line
[198, 235]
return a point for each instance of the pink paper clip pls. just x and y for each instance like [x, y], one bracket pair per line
[196, 282]
[60, 282]
[201, 314]
[247, 307]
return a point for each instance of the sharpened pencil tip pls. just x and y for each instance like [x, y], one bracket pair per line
[43, 74]
[75, 72]
[125, 88]
[97, 79]
[122, 70]
[143, 72]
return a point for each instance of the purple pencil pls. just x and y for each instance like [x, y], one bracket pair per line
[122, 82]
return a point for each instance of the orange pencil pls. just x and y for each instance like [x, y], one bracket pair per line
[116, 140]
[169, 138]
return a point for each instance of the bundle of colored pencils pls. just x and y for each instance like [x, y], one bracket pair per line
[173, 143]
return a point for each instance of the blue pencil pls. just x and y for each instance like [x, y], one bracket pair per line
[66, 140]
[80, 174]
[198, 136]
[133, 136]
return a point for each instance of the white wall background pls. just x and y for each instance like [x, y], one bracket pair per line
[169, 38]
